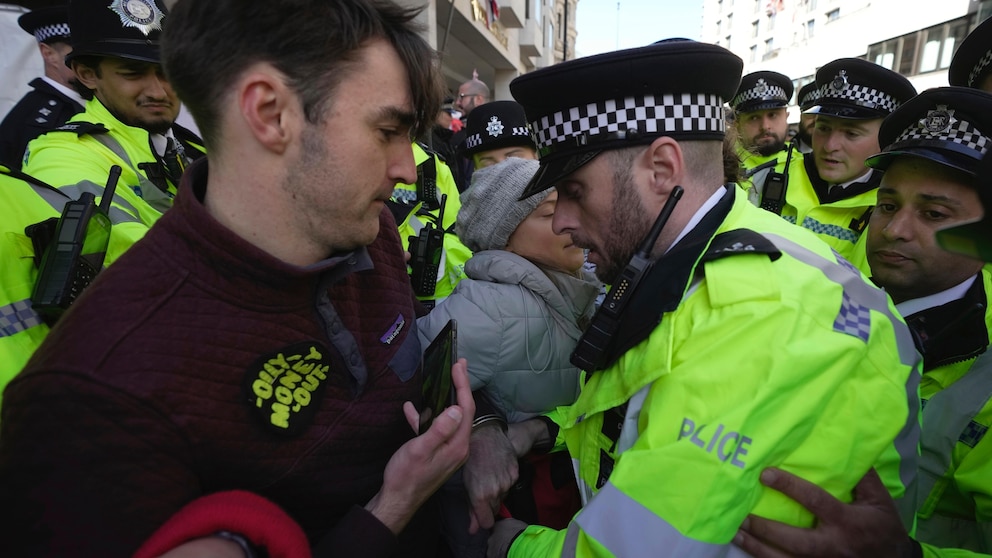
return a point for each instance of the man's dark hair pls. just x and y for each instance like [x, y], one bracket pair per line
[207, 45]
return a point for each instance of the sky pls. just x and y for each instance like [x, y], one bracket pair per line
[606, 25]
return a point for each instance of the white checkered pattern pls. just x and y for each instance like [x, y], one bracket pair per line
[46, 32]
[979, 68]
[769, 93]
[862, 95]
[853, 319]
[17, 317]
[812, 96]
[960, 132]
[476, 140]
[687, 112]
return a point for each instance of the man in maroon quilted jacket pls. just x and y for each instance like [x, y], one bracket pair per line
[261, 336]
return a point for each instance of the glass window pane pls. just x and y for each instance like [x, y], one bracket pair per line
[928, 59]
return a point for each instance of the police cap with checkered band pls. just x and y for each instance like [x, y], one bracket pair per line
[974, 239]
[762, 91]
[807, 96]
[120, 28]
[858, 89]
[951, 126]
[973, 59]
[47, 24]
[496, 125]
[580, 108]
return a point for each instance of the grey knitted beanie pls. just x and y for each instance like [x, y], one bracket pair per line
[490, 209]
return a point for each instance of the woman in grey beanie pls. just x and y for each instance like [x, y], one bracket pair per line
[521, 309]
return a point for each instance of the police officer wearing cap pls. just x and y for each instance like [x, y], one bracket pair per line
[832, 192]
[762, 124]
[130, 121]
[53, 98]
[672, 426]
[806, 98]
[936, 146]
[495, 131]
[971, 65]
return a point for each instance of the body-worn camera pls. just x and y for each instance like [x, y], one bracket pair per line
[75, 254]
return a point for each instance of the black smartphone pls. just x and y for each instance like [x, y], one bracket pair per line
[438, 390]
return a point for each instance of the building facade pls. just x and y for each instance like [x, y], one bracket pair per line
[916, 38]
[498, 39]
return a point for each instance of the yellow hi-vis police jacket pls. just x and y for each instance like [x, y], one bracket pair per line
[954, 516]
[755, 169]
[838, 218]
[86, 147]
[770, 352]
[454, 254]
[24, 203]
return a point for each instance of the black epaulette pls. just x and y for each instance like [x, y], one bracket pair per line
[82, 128]
[752, 171]
[740, 241]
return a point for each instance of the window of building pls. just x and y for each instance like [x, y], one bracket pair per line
[757, 6]
[809, 28]
[922, 51]
[771, 21]
[769, 45]
[754, 53]
[812, 5]
[833, 14]
[728, 42]
[730, 22]
[754, 29]
[719, 26]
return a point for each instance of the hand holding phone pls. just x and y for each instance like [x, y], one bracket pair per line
[438, 392]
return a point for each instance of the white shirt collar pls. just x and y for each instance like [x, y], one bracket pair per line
[859, 180]
[67, 91]
[910, 307]
[700, 213]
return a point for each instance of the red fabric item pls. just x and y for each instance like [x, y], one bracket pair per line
[257, 519]
[556, 505]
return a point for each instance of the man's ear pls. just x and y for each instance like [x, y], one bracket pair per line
[50, 55]
[667, 165]
[86, 75]
[269, 108]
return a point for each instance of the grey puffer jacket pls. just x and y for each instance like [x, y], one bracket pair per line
[517, 326]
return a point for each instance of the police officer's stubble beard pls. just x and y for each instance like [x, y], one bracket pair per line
[770, 149]
[629, 224]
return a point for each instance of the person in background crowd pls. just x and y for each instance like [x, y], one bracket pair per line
[936, 172]
[495, 131]
[762, 127]
[672, 426]
[53, 98]
[523, 307]
[418, 206]
[971, 65]
[806, 98]
[832, 192]
[471, 94]
[129, 122]
[261, 336]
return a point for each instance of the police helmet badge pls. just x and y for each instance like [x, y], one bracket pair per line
[495, 127]
[938, 120]
[839, 83]
[142, 15]
[761, 88]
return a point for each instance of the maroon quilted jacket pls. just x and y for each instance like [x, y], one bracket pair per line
[198, 363]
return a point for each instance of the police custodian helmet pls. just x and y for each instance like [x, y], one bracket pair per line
[121, 28]
[762, 90]
[582, 107]
[49, 24]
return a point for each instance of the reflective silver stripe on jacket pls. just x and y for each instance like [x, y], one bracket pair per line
[117, 215]
[17, 317]
[149, 191]
[856, 289]
[626, 527]
[946, 417]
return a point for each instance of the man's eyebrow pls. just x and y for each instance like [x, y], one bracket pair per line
[403, 117]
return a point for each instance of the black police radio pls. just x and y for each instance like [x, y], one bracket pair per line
[425, 255]
[591, 350]
[776, 183]
[76, 253]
